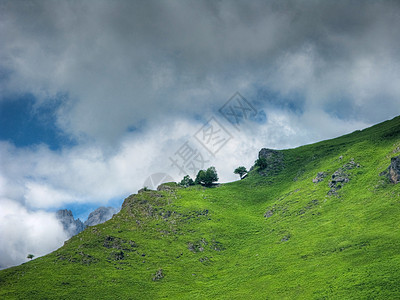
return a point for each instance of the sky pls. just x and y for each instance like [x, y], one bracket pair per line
[101, 98]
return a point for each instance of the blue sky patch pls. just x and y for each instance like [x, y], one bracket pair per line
[82, 210]
[25, 124]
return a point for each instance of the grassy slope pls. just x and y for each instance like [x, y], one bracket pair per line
[345, 246]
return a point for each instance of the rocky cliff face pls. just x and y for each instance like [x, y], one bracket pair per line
[393, 171]
[273, 160]
[100, 215]
[70, 225]
[270, 154]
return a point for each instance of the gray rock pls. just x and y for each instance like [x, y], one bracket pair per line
[340, 177]
[320, 177]
[351, 165]
[100, 215]
[394, 170]
[270, 154]
[269, 213]
[159, 275]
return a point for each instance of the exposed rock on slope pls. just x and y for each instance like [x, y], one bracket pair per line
[340, 177]
[271, 155]
[320, 177]
[393, 171]
[273, 159]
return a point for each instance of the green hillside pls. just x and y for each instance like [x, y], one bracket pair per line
[278, 236]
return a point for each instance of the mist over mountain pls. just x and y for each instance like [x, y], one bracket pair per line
[70, 225]
[74, 226]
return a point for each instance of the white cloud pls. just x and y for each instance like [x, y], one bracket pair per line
[44, 196]
[26, 232]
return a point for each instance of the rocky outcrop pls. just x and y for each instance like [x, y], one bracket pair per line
[100, 215]
[70, 225]
[337, 181]
[393, 171]
[269, 153]
[270, 161]
[341, 177]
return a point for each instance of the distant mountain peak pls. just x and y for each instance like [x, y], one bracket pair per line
[70, 225]
[74, 226]
[100, 215]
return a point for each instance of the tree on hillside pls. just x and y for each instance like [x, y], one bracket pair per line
[200, 177]
[30, 256]
[211, 176]
[207, 177]
[186, 181]
[241, 171]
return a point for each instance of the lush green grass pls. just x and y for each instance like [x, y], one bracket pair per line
[216, 242]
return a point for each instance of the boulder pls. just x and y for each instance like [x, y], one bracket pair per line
[394, 170]
[268, 213]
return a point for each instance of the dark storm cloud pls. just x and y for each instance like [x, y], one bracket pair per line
[120, 59]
